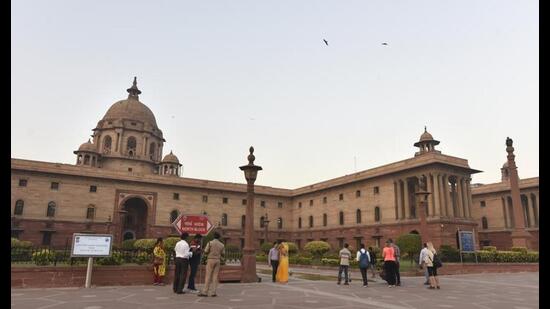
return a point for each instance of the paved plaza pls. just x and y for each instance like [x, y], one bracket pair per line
[508, 290]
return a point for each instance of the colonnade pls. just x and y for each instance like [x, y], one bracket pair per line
[530, 210]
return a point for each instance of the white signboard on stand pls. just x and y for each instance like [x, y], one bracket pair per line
[92, 245]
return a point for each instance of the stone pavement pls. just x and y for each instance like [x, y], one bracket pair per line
[508, 290]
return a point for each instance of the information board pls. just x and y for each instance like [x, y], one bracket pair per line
[91, 245]
[466, 241]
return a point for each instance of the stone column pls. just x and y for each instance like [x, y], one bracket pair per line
[458, 194]
[396, 196]
[406, 199]
[447, 193]
[431, 201]
[505, 212]
[469, 192]
[436, 194]
[530, 210]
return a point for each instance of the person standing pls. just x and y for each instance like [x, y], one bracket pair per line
[397, 253]
[282, 269]
[182, 263]
[273, 259]
[421, 263]
[345, 255]
[194, 261]
[159, 262]
[372, 263]
[389, 263]
[432, 269]
[363, 258]
[214, 250]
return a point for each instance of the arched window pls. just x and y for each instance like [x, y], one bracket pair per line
[377, 214]
[152, 148]
[86, 159]
[165, 170]
[79, 159]
[19, 207]
[325, 220]
[358, 216]
[131, 146]
[280, 223]
[173, 215]
[224, 219]
[90, 212]
[341, 215]
[107, 141]
[262, 221]
[310, 221]
[50, 212]
[484, 224]
[300, 222]
[243, 221]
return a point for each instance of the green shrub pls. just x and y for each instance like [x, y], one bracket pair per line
[411, 244]
[330, 262]
[510, 257]
[489, 248]
[532, 257]
[143, 257]
[292, 248]
[115, 259]
[449, 254]
[16, 243]
[43, 257]
[261, 258]
[170, 244]
[317, 248]
[145, 244]
[265, 247]
[299, 260]
[487, 256]
[128, 244]
[519, 249]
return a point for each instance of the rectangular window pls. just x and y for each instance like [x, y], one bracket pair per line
[176, 196]
[54, 186]
[340, 243]
[129, 169]
[262, 203]
[280, 205]
[90, 213]
[324, 200]
[310, 202]
[358, 193]
[376, 190]
[341, 197]
[244, 202]
[47, 238]
[22, 182]
[482, 204]
[299, 204]
[224, 200]
[93, 188]
[205, 198]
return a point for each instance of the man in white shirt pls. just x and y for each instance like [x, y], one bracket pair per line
[423, 254]
[273, 258]
[183, 254]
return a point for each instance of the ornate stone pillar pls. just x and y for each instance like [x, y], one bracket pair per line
[469, 192]
[430, 188]
[406, 199]
[437, 196]
[458, 195]
[447, 193]
[530, 210]
[396, 196]
[505, 212]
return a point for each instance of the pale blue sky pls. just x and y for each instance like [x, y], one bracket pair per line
[466, 69]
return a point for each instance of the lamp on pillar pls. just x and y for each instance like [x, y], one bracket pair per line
[520, 237]
[249, 256]
[422, 195]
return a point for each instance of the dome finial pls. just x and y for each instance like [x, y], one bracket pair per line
[134, 91]
[425, 129]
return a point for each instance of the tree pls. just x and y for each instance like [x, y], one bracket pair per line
[409, 243]
[317, 248]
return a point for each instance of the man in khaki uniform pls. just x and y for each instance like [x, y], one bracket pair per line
[214, 250]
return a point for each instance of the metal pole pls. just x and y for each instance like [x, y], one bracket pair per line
[89, 273]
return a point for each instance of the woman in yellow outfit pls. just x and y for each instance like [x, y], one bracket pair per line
[282, 270]
[159, 263]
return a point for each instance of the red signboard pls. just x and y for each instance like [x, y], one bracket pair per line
[193, 224]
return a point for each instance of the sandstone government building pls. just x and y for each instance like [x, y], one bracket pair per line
[122, 184]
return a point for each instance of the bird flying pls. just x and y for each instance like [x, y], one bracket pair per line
[326, 42]
[386, 44]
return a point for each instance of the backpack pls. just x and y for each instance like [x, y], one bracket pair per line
[363, 260]
[437, 261]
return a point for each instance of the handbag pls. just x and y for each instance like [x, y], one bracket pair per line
[158, 261]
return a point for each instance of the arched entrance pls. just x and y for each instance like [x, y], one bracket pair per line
[135, 219]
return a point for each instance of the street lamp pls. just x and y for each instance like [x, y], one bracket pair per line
[249, 256]
[422, 195]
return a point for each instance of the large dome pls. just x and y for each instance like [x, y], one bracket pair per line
[131, 109]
